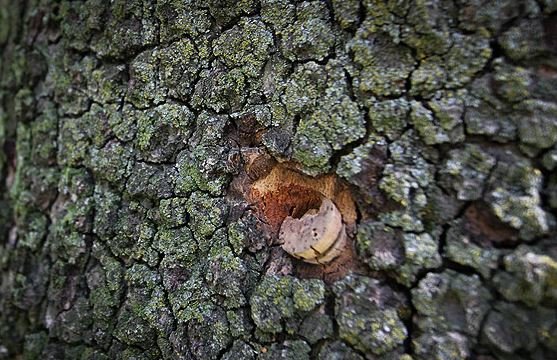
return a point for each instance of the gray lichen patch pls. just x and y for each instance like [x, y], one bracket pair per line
[524, 324]
[311, 36]
[163, 132]
[467, 170]
[369, 316]
[514, 195]
[450, 301]
[461, 249]
[529, 277]
[329, 119]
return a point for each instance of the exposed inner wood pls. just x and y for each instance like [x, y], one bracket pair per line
[284, 192]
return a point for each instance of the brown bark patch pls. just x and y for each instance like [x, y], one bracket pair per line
[485, 228]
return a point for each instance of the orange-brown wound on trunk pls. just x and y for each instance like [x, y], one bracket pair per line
[285, 192]
[281, 191]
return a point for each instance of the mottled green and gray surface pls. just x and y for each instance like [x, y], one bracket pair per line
[118, 237]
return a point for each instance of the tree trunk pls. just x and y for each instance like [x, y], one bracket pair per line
[278, 179]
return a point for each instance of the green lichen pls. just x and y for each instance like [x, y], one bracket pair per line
[429, 76]
[133, 234]
[152, 181]
[178, 18]
[226, 274]
[180, 63]
[282, 298]
[132, 330]
[278, 13]
[429, 31]
[146, 299]
[80, 22]
[448, 109]
[399, 185]
[468, 58]
[220, 90]
[246, 45]
[125, 236]
[224, 11]
[307, 84]
[443, 347]
[202, 169]
[425, 124]
[107, 85]
[346, 13]
[206, 214]
[74, 142]
[513, 82]
[113, 162]
[173, 212]
[240, 323]
[312, 149]
[188, 295]
[129, 28]
[536, 123]
[177, 245]
[372, 51]
[307, 294]
[389, 117]
[272, 302]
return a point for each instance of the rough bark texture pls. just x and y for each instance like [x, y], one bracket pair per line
[152, 148]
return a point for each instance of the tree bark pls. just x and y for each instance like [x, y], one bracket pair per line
[152, 151]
